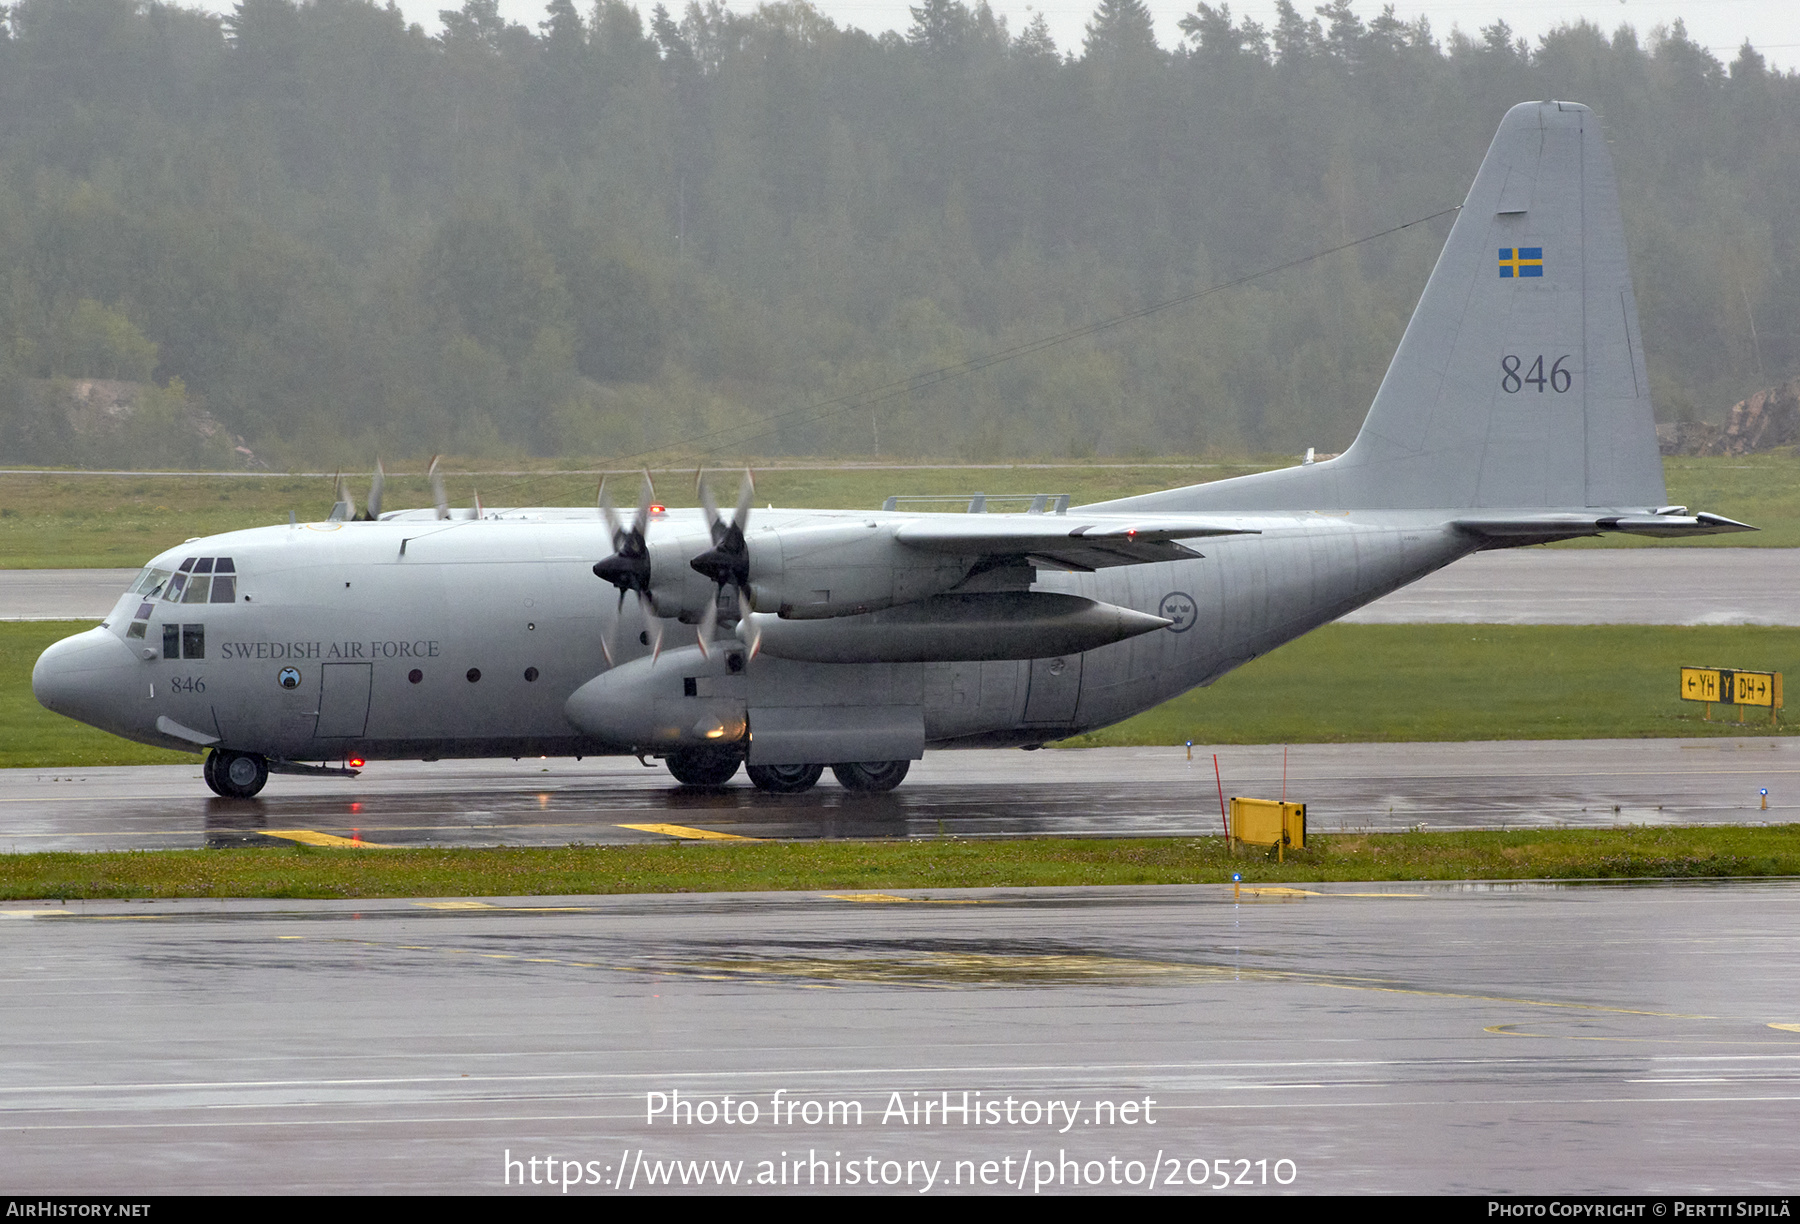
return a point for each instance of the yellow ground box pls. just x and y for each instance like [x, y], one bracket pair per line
[1266, 822]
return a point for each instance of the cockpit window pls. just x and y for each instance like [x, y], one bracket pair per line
[197, 582]
[150, 582]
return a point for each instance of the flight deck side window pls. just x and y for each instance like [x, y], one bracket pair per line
[198, 588]
[171, 641]
[224, 588]
[193, 641]
[150, 583]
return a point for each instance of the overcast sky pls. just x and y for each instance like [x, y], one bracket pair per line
[1723, 25]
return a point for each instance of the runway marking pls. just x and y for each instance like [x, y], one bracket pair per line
[684, 832]
[891, 899]
[50, 913]
[1790, 1028]
[949, 969]
[312, 837]
[1513, 1030]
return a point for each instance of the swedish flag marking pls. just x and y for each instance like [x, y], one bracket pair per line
[1522, 261]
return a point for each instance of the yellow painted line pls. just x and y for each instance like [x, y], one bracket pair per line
[55, 913]
[891, 899]
[313, 837]
[1278, 892]
[504, 909]
[682, 831]
[1787, 1028]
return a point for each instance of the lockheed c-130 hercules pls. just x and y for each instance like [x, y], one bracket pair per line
[1516, 411]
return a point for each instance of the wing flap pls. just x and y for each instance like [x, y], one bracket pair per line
[1057, 542]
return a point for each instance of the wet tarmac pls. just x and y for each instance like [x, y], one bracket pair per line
[1463, 1039]
[1528, 586]
[1100, 791]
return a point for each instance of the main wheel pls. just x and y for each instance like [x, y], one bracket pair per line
[235, 775]
[871, 775]
[784, 779]
[703, 766]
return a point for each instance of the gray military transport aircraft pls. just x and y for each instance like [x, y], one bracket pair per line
[1516, 411]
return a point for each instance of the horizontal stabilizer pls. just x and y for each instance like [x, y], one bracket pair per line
[1556, 525]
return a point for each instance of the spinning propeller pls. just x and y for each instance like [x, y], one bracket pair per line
[629, 566]
[727, 562]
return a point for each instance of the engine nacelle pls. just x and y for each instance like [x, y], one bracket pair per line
[843, 569]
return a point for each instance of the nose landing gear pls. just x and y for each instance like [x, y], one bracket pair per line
[235, 775]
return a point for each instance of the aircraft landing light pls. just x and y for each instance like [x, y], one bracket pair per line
[687, 834]
[312, 837]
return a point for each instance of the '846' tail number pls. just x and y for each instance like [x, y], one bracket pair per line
[1558, 379]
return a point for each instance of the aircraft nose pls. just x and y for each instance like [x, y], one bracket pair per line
[83, 677]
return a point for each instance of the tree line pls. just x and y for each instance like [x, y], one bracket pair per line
[760, 233]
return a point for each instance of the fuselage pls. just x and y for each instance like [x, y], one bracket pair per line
[412, 637]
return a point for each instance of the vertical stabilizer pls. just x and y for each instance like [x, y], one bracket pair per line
[1520, 380]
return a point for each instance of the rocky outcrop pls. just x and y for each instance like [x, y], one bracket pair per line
[1767, 420]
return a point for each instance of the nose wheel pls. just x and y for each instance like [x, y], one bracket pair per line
[235, 775]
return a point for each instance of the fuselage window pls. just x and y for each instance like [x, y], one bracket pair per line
[136, 630]
[223, 566]
[171, 641]
[224, 588]
[193, 641]
[198, 588]
[203, 565]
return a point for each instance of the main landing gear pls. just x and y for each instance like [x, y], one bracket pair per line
[703, 766]
[235, 775]
[712, 768]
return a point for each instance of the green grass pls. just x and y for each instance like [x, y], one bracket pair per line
[32, 736]
[1340, 684]
[1635, 853]
[1375, 683]
[64, 520]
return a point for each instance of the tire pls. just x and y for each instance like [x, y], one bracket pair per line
[235, 775]
[703, 767]
[784, 779]
[871, 776]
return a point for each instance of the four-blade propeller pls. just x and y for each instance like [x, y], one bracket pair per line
[629, 566]
[727, 562]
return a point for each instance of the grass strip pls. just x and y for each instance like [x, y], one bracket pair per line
[1354, 684]
[309, 872]
[66, 520]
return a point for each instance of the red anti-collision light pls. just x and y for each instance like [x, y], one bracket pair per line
[356, 762]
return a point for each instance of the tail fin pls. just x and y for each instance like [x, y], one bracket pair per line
[1520, 380]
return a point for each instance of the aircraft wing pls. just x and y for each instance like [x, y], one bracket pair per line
[1059, 541]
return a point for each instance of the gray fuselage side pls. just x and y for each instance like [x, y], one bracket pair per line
[341, 605]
